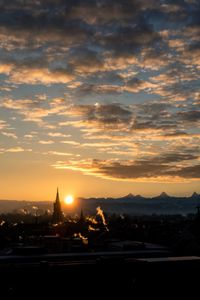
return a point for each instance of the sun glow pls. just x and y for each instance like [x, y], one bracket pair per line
[69, 200]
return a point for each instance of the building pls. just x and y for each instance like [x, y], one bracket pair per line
[57, 216]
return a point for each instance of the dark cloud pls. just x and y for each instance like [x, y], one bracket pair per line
[109, 11]
[140, 124]
[87, 89]
[152, 116]
[176, 133]
[160, 166]
[167, 158]
[35, 70]
[190, 116]
[154, 108]
[165, 119]
[93, 33]
[132, 171]
[109, 115]
[181, 163]
[84, 61]
[190, 172]
[44, 23]
[126, 39]
[156, 116]
[32, 24]
[151, 168]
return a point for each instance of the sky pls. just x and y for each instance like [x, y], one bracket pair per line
[99, 98]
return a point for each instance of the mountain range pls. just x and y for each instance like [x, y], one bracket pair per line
[139, 205]
[129, 204]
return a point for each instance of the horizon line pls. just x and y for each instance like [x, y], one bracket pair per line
[112, 197]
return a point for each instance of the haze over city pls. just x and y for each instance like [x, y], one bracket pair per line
[100, 98]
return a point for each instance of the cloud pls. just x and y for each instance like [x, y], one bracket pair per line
[153, 59]
[73, 143]
[58, 134]
[157, 168]
[34, 71]
[9, 134]
[102, 116]
[136, 85]
[171, 8]
[122, 77]
[100, 144]
[66, 40]
[60, 28]
[46, 142]
[29, 136]
[84, 60]
[3, 124]
[34, 109]
[14, 150]
[94, 89]
[27, 107]
[44, 22]
[133, 38]
[133, 85]
[178, 44]
[192, 116]
[5, 68]
[148, 121]
[60, 153]
[40, 75]
[191, 172]
[101, 12]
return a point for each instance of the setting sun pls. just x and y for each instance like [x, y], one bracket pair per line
[69, 199]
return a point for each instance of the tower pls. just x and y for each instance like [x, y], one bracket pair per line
[82, 218]
[57, 212]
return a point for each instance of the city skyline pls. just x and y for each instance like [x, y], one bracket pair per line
[100, 98]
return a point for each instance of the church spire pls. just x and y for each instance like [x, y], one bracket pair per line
[57, 212]
[57, 196]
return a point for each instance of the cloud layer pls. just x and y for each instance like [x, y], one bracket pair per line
[112, 84]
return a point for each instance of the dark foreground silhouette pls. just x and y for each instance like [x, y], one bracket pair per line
[99, 257]
[105, 277]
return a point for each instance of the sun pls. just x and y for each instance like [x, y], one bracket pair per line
[69, 200]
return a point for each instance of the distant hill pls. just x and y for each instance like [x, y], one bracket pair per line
[163, 195]
[138, 205]
[24, 206]
[129, 204]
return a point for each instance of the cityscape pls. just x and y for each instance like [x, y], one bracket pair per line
[99, 149]
[58, 244]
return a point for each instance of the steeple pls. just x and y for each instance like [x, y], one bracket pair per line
[82, 218]
[57, 212]
[57, 196]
